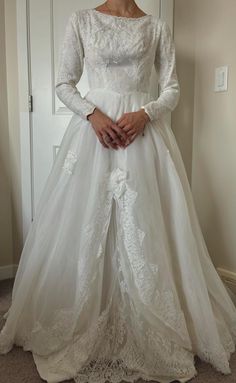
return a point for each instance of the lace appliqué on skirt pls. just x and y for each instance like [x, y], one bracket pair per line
[70, 160]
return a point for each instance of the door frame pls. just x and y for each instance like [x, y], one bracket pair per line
[166, 12]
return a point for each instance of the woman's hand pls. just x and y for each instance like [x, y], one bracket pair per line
[108, 132]
[133, 124]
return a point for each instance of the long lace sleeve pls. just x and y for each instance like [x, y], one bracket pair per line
[70, 70]
[165, 65]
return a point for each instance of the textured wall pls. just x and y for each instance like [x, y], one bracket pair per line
[6, 243]
[214, 138]
[205, 39]
[10, 196]
[182, 117]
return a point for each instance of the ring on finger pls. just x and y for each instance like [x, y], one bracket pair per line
[107, 138]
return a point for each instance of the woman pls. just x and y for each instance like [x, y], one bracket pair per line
[115, 281]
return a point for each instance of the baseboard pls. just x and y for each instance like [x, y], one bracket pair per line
[228, 277]
[8, 271]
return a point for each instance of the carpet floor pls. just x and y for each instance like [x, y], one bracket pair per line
[18, 366]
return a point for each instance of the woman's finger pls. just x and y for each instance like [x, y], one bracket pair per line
[121, 123]
[110, 138]
[113, 135]
[127, 128]
[119, 131]
[120, 119]
[131, 139]
[101, 140]
[131, 132]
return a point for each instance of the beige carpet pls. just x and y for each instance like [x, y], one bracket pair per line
[18, 366]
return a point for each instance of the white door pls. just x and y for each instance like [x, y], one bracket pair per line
[49, 118]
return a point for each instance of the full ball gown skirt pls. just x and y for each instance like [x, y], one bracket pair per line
[115, 281]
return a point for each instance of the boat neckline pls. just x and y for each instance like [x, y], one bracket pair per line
[120, 17]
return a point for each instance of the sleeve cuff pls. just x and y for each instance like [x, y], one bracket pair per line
[156, 110]
[148, 112]
[89, 110]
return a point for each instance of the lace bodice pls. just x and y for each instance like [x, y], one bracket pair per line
[119, 53]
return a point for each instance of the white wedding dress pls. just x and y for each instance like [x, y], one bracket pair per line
[115, 281]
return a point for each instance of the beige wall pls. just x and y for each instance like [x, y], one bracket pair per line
[10, 196]
[14, 131]
[182, 117]
[6, 240]
[209, 28]
[214, 139]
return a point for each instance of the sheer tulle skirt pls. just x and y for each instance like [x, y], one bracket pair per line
[115, 281]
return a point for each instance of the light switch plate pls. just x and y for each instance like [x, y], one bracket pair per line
[221, 79]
